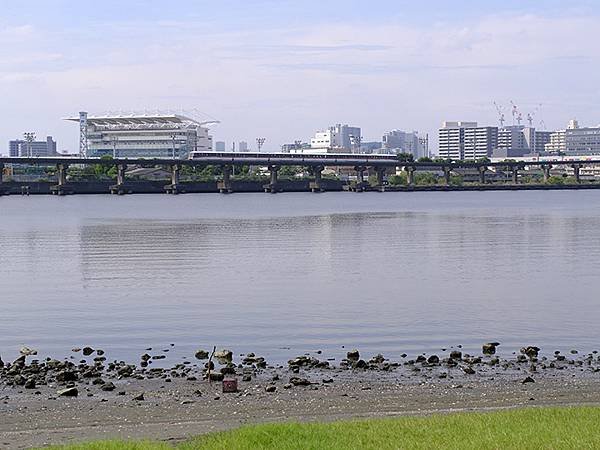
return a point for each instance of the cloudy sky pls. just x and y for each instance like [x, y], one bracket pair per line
[283, 69]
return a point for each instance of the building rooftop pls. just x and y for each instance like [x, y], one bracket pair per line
[138, 119]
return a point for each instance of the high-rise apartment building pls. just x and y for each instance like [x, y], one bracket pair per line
[466, 140]
[518, 140]
[542, 138]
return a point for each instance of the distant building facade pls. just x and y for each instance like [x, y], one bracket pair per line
[20, 147]
[518, 140]
[542, 137]
[575, 141]
[219, 146]
[466, 140]
[338, 138]
[142, 136]
[295, 147]
[371, 147]
[243, 146]
[397, 141]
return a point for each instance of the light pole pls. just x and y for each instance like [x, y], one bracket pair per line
[29, 137]
[115, 141]
[260, 142]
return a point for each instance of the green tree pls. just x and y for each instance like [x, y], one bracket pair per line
[398, 180]
[405, 157]
[555, 180]
[290, 171]
[425, 178]
[456, 180]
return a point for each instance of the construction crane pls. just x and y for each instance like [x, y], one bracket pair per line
[530, 119]
[516, 114]
[531, 115]
[501, 118]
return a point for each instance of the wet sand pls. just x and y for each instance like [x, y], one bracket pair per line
[178, 403]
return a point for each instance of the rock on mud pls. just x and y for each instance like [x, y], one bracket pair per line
[490, 348]
[201, 354]
[68, 392]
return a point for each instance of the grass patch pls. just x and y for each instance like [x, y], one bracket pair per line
[533, 428]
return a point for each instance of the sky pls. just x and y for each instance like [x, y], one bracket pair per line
[284, 69]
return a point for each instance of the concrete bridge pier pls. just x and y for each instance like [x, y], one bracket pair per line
[447, 171]
[1, 174]
[272, 186]
[61, 187]
[380, 172]
[317, 184]
[515, 175]
[360, 178]
[546, 172]
[482, 170]
[224, 185]
[410, 175]
[576, 171]
[174, 187]
[119, 188]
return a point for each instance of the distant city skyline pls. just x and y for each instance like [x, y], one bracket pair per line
[283, 69]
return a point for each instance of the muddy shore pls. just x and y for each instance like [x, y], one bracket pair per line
[87, 396]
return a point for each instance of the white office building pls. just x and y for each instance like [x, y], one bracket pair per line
[575, 141]
[337, 139]
[142, 135]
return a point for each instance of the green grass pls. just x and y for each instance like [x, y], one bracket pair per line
[548, 428]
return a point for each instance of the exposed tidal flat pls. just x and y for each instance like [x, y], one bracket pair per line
[87, 396]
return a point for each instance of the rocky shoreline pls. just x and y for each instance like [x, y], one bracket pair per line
[93, 372]
[89, 390]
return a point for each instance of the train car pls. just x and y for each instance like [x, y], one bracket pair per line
[300, 157]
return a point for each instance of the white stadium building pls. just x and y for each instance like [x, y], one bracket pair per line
[142, 135]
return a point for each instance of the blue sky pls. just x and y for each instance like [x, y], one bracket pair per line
[284, 69]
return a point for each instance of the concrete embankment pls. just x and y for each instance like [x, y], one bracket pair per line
[158, 187]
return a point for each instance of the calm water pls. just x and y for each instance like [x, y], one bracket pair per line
[284, 274]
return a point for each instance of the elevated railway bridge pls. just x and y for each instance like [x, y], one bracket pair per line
[360, 163]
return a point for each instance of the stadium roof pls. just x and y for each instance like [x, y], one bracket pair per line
[137, 119]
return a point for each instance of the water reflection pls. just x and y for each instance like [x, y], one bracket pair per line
[412, 277]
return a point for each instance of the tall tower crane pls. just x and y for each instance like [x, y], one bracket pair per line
[517, 116]
[501, 118]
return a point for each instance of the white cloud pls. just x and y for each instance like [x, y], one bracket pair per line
[12, 33]
[285, 83]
